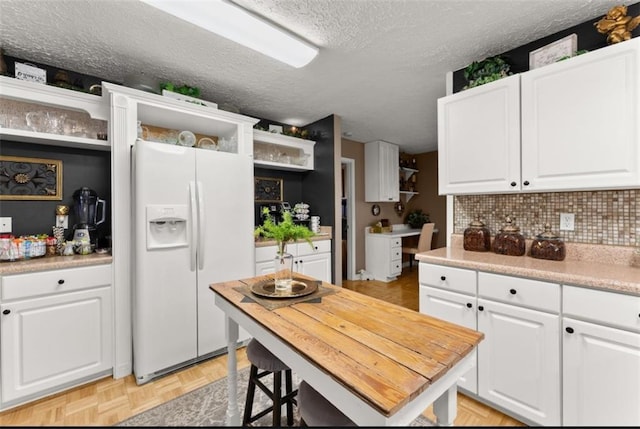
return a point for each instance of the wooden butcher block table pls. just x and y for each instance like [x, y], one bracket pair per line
[379, 363]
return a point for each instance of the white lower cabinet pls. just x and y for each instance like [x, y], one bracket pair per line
[313, 261]
[383, 256]
[56, 330]
[518, 366]
[519, 361]
[601, 366]
[455, 308]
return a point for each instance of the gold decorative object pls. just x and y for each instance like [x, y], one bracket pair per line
[62, 210]
[617, 25]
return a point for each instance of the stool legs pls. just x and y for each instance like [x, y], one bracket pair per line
[276, 396]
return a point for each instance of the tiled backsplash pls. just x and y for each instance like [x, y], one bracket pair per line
[601, 217]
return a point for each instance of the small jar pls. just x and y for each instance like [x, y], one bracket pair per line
[509, 241]
[477, 237]
[548, 246]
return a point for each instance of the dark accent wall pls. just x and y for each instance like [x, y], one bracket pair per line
[588, 38]
[80, 167]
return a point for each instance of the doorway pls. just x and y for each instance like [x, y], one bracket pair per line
[348, 219]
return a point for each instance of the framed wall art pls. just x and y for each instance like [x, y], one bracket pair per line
[30, 178]
[565, 47]
[268, 189]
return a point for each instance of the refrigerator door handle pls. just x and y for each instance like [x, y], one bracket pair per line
[202, 225]
[193, 246]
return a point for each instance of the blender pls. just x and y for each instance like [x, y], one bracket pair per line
[86, 207]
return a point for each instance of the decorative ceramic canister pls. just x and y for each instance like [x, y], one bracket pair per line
[548, 245]
[477, 237]
[509, 241]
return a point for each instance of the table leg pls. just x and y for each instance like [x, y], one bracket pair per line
[233, 412]
[446, 406]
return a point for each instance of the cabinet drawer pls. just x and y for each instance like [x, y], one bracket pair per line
[395, 242]
[396, 253]
[317, 247]
[267, 253]
[610, 308]
[456, 279]
[58, 281]
[395, 268]
[518, 291]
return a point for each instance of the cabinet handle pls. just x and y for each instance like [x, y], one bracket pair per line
[569, 329]
[526, 183]
[6, 312]
[61, 281]
[315, 247]
[512, 291]
[469, 305]
[443, 278]
[481, 308]
[513, 184]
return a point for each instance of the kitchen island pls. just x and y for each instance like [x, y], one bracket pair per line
[379, 363]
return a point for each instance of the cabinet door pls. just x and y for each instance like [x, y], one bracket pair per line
[519, 361]
[455, 308]
[50, 341]
[317, 266]
[601, 375]
[479, 139]
[382, 163]
[263, 268]
[580, 127]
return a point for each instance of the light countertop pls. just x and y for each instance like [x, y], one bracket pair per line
[47, 263]
[600, 267]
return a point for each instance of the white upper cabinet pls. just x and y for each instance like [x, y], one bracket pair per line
[48, 115]
[479, 139]
[281, 152]
[580, 121]
[381, 178]
[568, 126]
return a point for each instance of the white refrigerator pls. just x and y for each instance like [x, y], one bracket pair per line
[193, 217]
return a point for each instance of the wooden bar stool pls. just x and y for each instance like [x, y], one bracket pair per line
[263, 363]
[315, 410]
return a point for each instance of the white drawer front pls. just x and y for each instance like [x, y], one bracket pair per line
[396, 253]
[610, 308]
[319, 246]
[518, 291]
[268, 253]
[395, 242]
[301, 248]
[26, 285]
[395, 268]
[455, 279]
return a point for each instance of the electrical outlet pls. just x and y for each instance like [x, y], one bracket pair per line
[63, 221]
[567, 221]
[5, 224]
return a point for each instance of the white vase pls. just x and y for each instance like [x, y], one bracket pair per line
[283, 272]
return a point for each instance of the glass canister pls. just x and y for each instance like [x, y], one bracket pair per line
[477, 237]
[509, 241]
[548, 245]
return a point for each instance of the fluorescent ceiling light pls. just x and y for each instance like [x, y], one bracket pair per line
[237, 24]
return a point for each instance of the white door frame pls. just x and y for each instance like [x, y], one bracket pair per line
[350, 194]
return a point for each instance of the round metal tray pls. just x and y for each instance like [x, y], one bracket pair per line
[267, 289]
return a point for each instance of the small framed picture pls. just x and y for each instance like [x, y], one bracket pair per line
[565, 47]
[268, 189]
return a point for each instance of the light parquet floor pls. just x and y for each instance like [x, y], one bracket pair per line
[106, 402]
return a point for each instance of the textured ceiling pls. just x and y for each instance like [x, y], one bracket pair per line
[381, 65]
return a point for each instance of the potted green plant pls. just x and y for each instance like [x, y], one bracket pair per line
[282, 233]
[416, 218]
[480, 72]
